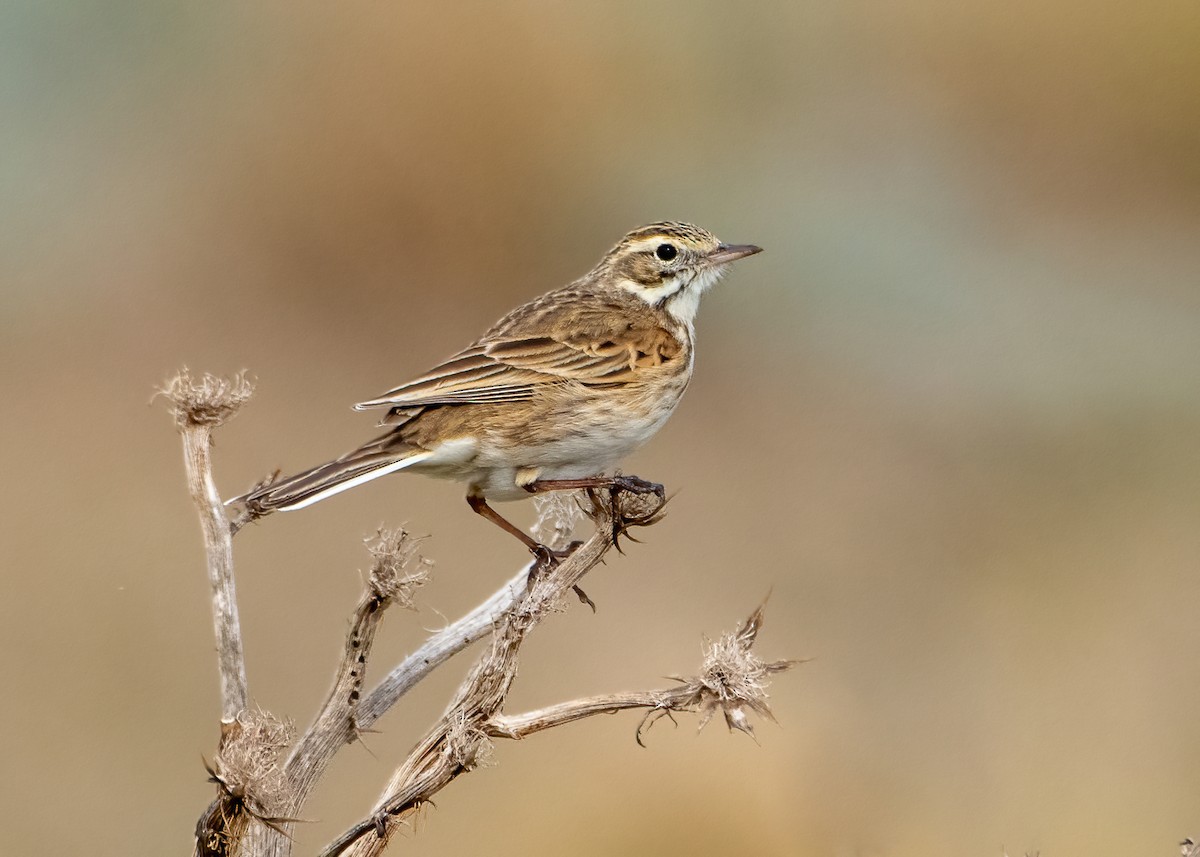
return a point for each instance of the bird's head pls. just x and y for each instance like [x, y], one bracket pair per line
[670, 265]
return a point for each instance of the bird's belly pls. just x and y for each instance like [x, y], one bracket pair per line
[571, 438]
[502, 474]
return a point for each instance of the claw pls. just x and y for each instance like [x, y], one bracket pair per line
[547, 558]
[583, 597]
[621, 521]
[615, 485]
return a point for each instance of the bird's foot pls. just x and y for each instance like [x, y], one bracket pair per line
[546, 558]
[641, 512]
[641, 508]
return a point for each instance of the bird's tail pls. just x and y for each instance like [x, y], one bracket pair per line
[370, 461]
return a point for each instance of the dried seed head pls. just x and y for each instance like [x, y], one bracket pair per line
[734, 679]
[398, 570]
[247, 764]
[207, 400]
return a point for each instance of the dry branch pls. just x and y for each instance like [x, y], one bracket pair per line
[264, 777]
[451, 747]
[397, 572]
[732, 680]
[199, 406]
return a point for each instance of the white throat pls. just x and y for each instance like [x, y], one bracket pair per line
[680, 296]
[685, 301]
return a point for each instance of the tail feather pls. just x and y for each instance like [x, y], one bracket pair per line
[317, 483]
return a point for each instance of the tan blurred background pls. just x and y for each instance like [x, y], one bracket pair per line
[951, 417]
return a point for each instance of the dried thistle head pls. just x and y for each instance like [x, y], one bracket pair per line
[248, 764]
[398, 569]
[733, 678]
[205, 401]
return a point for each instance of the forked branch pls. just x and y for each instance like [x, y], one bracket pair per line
[264, 776]
[732, 680]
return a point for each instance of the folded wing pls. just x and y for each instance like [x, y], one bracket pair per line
[600, 348]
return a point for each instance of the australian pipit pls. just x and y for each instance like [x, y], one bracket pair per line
[555, 394]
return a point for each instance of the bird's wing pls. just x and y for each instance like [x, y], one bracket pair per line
[597, 348]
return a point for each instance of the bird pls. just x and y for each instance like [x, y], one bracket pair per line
[553, 395]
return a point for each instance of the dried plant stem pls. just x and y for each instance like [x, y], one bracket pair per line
[262, 787]
[344, 715]
[336, 725]
[454, 744]
[218, 545]
[439, 648]
[218, 542]
[732, 680]
[522, 725]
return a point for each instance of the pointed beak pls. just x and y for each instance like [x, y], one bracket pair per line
[726, 253]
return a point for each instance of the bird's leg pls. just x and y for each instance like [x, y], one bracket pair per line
[546, 557]
[480, 507]
[615, 485]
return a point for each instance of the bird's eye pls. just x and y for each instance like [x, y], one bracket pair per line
[666, 252]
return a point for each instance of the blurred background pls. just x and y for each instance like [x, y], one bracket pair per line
[950, 418]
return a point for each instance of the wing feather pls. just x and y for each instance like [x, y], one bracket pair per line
[598, 347]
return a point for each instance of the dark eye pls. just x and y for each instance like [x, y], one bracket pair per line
[666, 252]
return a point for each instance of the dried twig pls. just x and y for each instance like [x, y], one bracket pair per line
[199, 406]
[452, 746]
[732, 680]
[261, 787]
[346, 712]
[397, 572]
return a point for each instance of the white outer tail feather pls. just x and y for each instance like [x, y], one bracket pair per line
[356, 481]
